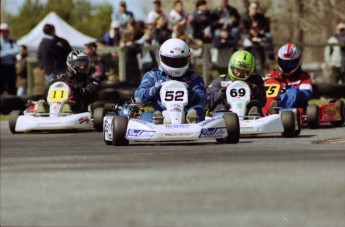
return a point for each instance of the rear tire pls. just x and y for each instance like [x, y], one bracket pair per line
[341, 105]
[232, 125]
[288, 120]
[299, 120]
[98, 115]
[119, 131]
[12, 119]
[313, 116]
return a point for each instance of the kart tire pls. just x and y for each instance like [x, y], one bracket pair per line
[109, 94]
[126, 93]
[112, 84]
[232, 125]
[341, 105]
[98, 115]
[288, 120]
[109, 107]
[12, 119]
[119, 131]
[299, 122]
[9, 103]
[313, 116]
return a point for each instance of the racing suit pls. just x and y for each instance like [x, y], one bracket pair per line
[296, 88]
[84, 90]
[255, 82]
[148, 92]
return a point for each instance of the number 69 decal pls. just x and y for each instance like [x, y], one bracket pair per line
[174, 95]
[237, 92]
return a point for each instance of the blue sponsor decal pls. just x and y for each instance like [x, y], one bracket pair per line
[136, 133]
[212, 132]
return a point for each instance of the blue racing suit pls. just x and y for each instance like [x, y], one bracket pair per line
[148, 92]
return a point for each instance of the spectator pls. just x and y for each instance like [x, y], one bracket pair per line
[161, 31]
[122, 15]
[225, 44]
[226, 16]
[335, 55]
[132, 50]
[256, 27]
[201, 22]
[179, 32]
[156, 12]
[148, 58]
[52, 53]
[97, 71]
[9, 48]
[113, 36]
[21, 70]
[177, 14]
[138, 31]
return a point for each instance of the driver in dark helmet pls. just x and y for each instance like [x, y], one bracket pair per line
[84, 89]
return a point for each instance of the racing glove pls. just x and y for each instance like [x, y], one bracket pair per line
[154, 90]
[222, 93]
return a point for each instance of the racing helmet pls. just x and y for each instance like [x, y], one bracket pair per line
[289, 58]
[78, 62]
[243, 61]
[174, 57]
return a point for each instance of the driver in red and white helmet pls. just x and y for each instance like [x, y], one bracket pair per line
[297, 90]
[174, 65]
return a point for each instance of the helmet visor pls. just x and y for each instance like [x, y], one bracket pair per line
[81, 66]
[240, 73]
[288, 66]
[175, 62]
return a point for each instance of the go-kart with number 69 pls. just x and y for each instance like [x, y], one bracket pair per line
[119, 130]
[51, 115]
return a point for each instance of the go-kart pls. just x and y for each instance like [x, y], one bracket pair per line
[119, 129]
[48, 115]
[332, 112]
[238, 97]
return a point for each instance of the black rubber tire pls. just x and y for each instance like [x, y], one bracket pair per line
[97, 104]
[232, 125]
[299, 120]
[98, 115]
[341, 104]
[288, 120]
[26, 98]
[9, 103]
[126, 93]
[12, 119]
[119, 131]
[109, 94]
[105, 84]
[220, 140]
[313, 116]
[109, 107]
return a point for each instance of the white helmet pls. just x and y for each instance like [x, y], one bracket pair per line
[174, 57]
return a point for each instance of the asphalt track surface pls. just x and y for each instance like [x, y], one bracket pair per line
[74, 179]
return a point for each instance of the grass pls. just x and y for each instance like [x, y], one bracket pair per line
[3, 117]
[320, 101]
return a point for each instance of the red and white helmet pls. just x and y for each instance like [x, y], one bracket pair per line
[289, 58]
[174, 57]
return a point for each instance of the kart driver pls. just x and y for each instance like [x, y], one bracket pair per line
[297, 89]
[241, 67]
[84, 88]
[174, 65]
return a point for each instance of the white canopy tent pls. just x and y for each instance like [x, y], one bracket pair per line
[75, 38]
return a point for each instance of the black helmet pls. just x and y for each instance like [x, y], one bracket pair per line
[78, 62]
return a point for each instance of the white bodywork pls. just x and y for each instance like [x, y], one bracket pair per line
[174, 96]
[58, 94]
[238, 96]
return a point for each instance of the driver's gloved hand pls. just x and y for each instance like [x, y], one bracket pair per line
[222, 93]
[154, 90]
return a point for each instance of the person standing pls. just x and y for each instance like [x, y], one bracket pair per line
[52, 53]
[122, 15]
[21, 70]
[9, 49]
[335, 55]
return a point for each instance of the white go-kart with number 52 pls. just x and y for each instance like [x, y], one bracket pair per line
[119, 130]
[238, 95]
[36, 118]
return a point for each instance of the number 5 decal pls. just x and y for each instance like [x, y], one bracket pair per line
[272, 90]
[174, 95]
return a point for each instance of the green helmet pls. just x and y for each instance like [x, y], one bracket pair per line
[241, 60]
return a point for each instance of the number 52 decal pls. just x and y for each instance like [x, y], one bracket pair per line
[174, 95]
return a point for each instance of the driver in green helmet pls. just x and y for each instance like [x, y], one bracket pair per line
[241, 67]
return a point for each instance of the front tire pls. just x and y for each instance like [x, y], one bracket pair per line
[12, 119]
[119, 131]
[313, 116]
[288, 120]
[232, 125]
[98, 115]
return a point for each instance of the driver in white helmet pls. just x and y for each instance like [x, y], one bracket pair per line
[174, 65]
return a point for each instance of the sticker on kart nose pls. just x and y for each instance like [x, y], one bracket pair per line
[139, 134]
[212, 132]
